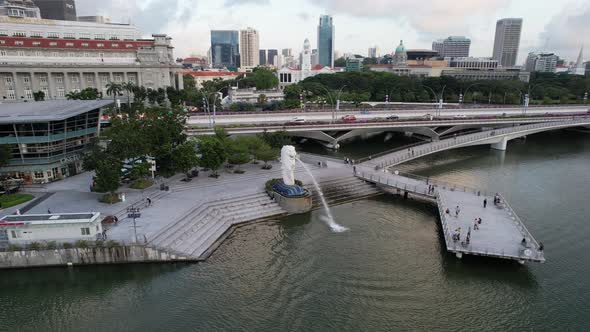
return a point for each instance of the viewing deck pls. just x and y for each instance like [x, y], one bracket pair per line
[500, 233]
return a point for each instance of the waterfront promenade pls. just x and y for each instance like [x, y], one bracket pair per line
[499, 234]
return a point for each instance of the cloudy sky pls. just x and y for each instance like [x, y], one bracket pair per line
[559, 26]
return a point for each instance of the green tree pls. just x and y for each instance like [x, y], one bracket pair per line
[114, 89]
[140, 171]
[128, 87]
[261, 100]
[277, 139]
[239, 153]
[39, 95]
[266, 153]
[184, 157]
[89, 94]
[264, 78]
[340, 62]
[108, 174]
[5, 154]
[73, 95]
[213, 153]
[189, 82]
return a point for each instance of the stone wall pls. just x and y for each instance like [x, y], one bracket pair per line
[293, 205]
[86, 256]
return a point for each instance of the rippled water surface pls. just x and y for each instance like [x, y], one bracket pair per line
[388, 273]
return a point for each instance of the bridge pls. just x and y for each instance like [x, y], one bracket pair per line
[331, 134]
[502, 234]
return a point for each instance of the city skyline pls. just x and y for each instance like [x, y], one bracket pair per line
[563, 31]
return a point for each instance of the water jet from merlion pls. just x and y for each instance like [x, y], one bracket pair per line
[288, 162]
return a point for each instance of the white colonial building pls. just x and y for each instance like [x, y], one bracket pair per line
[288, 76]
[252, 95]
[57, 57]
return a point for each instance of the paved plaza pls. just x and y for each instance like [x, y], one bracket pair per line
[73, 195]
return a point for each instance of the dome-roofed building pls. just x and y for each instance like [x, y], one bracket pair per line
[400, 58]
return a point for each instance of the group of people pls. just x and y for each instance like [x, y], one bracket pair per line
[348, 161]
[497, 199]
[457, 211]
[476, 223]
[430, 189]
[410, 152]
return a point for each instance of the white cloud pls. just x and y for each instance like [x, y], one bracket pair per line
[567, 32]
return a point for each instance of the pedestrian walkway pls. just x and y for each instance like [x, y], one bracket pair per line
[500, 233]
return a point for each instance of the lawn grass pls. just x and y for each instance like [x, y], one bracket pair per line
[141, 184]
[14, 199]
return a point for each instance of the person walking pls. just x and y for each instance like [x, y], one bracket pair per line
[457, 211]
[48, 211]
[149, 202]
[485, 202]
[354, 170]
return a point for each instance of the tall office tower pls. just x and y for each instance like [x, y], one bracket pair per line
[507, 41]
[249, 47]
[271, 57]
[315, 59]
[225, 48]
[438, 46]
[455, 47]
[262, 57]
[373, 52]
[326, 41]
[63, 10]
[287, 52]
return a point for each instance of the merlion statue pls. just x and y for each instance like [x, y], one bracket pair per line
[288, 160]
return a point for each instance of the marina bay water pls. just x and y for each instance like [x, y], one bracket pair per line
[389, 272]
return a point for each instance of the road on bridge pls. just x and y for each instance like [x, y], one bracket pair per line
[362, 115]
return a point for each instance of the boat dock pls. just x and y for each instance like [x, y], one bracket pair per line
[500, 234]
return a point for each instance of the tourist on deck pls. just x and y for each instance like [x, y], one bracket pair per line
[48, 211]
[354, 170]
[479, 221]
[115, 219]
[523, 242]
[457, 211]
[541, 246]
[447, 211]
[149, 202]
[485, 202]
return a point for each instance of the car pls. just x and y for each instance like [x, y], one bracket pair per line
[428, 117]
[392, 117]
[460, 116]
[349, 118]
[298, 120]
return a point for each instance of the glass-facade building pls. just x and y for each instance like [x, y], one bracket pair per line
[48, 139]
[225, 48]
[326, 41]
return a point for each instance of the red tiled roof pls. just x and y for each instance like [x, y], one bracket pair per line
[45, 43]
[193, 60]
[317, 67]
[212, 73]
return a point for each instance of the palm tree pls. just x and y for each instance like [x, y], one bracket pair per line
[114, 89]
[129, 87]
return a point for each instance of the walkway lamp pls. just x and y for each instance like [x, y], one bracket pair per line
[338, 98]
[439, 99]
[585, 98]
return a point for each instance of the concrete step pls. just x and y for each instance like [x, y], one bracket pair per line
[193, 236]
[164, 237]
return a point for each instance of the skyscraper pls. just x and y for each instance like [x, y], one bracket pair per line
[262, 57]
[507, 41]
[326, 41]
[225, 48]
[271, 57]
[373, 52]
[544, 62]
[63, 10]
[249, 47]
[287, 52]
[438, 46]
[452, 47]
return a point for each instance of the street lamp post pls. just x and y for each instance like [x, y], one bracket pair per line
[206, 107]
[438, 98]
[133, 212]
[585, 98]
[338, 98]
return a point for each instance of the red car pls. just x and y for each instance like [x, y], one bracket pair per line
[349, 118]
